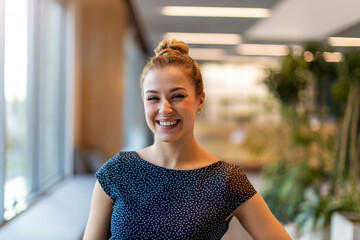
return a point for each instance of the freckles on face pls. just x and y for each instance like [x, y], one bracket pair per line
[170, 102]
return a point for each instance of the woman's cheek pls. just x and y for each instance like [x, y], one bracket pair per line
[148, 115]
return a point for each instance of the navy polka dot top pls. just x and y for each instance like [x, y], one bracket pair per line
[153, 202]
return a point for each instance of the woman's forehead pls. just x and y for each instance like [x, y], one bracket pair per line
[169, 77]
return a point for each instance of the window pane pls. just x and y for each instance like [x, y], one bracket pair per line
[16, 116]
[52, 76]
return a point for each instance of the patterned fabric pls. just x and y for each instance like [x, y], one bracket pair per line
[153, 202]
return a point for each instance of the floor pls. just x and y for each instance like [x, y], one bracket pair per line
[58, 215]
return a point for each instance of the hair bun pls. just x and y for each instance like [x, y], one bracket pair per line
[172, 47]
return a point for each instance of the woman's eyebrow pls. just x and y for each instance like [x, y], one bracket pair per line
[171, 90]
[176, 89]
[151, 91]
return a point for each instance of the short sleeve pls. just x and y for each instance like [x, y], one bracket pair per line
[238, 188]
[105, 176]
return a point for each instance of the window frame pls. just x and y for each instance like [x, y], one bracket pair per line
[46, 182]
[37, 33]
[2, 110]
[33, 74]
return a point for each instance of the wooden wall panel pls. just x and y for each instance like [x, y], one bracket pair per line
[101, 29]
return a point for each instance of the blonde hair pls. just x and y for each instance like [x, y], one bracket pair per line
[174, 53]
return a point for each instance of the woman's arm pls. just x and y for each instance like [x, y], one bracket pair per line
[98, 225]
[255, 216]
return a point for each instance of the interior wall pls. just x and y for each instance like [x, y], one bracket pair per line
[101, 26]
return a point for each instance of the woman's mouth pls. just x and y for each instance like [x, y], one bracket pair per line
[168, 124]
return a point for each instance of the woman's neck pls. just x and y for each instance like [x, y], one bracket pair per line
[175, 154]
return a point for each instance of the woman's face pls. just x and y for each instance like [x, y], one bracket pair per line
[170, 103]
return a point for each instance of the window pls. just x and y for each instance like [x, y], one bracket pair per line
[16, 116]
[2, 124]
[33, 92]
[51, 98]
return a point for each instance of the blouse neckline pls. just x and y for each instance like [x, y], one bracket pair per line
[175, 170]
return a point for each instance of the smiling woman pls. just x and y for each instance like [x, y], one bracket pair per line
[170, 104]
[174, 189]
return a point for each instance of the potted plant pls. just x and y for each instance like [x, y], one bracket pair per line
[346, 181]
[308, 188]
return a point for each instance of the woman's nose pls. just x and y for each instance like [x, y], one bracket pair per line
[165, 107]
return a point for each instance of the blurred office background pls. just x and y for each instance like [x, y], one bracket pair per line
[282, 80]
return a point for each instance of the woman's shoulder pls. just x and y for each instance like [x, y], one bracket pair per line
[119, 159]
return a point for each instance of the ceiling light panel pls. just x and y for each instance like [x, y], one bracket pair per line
[263, 49]
[207, 53]
[344, 41]
[205, 38]
[187, 11]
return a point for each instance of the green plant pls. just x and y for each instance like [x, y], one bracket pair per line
[315, 211]
[347, 165]
[307, 186]
[284, 191]
[287, 83]
[322, 70]
[303, 165]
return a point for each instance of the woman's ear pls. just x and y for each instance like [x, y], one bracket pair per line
[201, 101]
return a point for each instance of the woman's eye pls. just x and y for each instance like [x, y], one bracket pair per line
[152, 98]
[179, 96]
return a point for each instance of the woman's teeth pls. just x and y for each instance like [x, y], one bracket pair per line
[167, 123]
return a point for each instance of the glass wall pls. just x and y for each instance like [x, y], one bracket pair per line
[33, 91]
[16, 100]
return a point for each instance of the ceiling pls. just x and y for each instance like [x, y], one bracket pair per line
[291, 21]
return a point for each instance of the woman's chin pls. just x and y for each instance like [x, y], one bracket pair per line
[167, 138]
